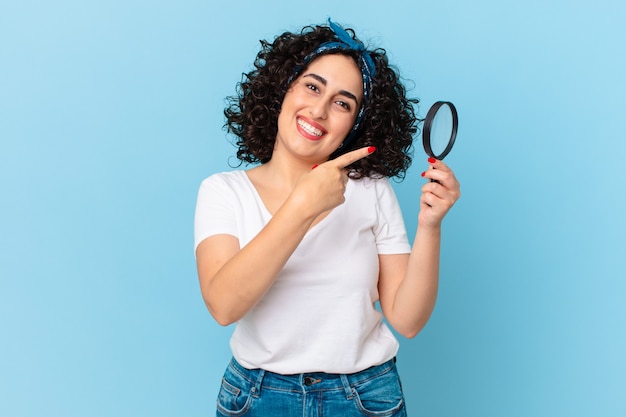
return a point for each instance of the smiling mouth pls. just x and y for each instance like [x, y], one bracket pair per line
[311, 130]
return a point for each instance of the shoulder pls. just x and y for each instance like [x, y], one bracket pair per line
[377, 193]
[370, 193]
[223, 181]
[373, 185]
[229, 177]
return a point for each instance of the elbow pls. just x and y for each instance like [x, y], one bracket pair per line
[222, 316]
[410, 330]
[409, 333]
[223, 321]
[219, 308]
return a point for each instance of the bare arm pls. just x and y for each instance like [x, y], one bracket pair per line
[408, 284]
[232, 281]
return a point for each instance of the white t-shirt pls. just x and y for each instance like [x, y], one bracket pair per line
[319, 315]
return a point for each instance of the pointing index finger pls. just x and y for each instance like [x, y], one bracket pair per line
[353, 156]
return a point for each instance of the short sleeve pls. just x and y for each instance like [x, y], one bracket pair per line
[215, 210]
[390, 231]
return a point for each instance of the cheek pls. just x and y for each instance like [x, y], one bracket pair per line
[347, 123]
[281, 122]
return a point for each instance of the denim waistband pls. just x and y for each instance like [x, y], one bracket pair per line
[309, 381]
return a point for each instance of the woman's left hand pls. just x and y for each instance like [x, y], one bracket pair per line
[438, 196]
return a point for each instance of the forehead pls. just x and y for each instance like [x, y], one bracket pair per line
[339, 71]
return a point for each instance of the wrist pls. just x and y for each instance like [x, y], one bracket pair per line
[429, 228]
[298, 208]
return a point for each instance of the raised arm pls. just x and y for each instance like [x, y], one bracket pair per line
[408, 284]
[233, 280]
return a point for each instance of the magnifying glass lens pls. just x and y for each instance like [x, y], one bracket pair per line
[441, 130]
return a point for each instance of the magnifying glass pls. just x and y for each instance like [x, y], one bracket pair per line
[440, 128]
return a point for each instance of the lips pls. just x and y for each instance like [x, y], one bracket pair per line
[310, 129]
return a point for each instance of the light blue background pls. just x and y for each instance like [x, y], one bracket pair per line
[111, 115]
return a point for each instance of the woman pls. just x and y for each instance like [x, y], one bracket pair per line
[298, 249]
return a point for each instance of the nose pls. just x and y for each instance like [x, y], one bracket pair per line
[318, 109]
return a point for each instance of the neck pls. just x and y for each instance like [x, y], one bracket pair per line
[284, 173]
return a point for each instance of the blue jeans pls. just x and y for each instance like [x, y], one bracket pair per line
[374, 392]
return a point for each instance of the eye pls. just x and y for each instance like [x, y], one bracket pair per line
[344, 104]
[312, 87]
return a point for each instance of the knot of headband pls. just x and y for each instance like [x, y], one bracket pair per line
[345, 38]
[366, 65]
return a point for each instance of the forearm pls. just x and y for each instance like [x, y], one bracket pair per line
[243, 280]
[415, 298]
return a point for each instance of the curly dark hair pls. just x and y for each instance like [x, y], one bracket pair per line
[389, 122]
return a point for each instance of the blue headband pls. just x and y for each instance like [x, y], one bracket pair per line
[366, 65]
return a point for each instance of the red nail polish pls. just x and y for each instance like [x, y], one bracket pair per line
[314, 166]
[423, 173]
[371, 149]
[432, 160]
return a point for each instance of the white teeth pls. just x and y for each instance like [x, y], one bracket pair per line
[309, 129]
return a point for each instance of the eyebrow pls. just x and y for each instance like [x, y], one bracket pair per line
[324, 82]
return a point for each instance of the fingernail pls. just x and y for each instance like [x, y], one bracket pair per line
[424, 174]
[314, 166]
[432, 160]
[371, 149]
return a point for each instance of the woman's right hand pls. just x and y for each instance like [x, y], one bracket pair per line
[323, 188]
